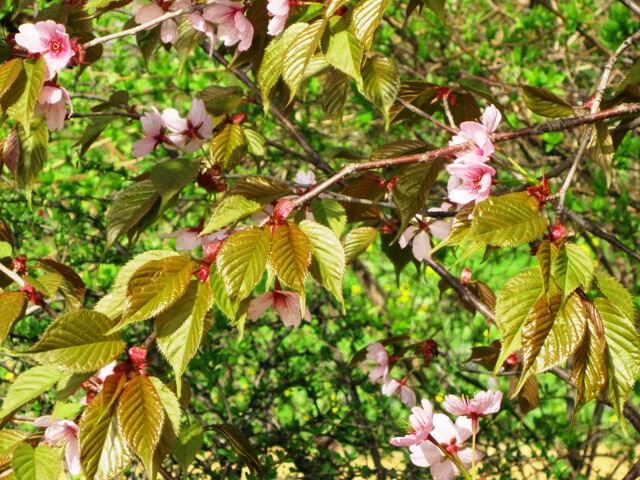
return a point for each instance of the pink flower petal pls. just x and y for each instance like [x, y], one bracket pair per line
[491, 117]
[444, 431]
[148, 13]
[407, 235]
[29, 38]
[259, 305]
[169, 31]
[444, 471]
[421, 247]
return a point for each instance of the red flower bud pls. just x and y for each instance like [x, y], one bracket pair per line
[138, 359]
[512, 360]
[392, 183]
[429, 349]
[558, 232]
[79, 50]
[465, 276]
[540, 192]
[211, 181]
[282, 210]
[20, 265]
[202, 272]
[33, 295]
[238, 118]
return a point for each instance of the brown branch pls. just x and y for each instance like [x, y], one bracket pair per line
[553, 126]
[631, 5]
[634, 472]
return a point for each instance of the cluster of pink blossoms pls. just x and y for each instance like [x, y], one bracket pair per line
[50, 40]
[381, 360]
[173, 131]
[437, 442]
[471, 177]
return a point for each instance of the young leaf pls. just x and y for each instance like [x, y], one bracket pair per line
[590, 365]
[228, 146]
[71, 286]
[9, 440]
[290, 255]
[330, 213]
[413, 187]
[381, 83]
[460, 228]
[507, 220]
[221, 100]
[9, 72]
[242, 260]
[256, 143]
[573, 268]
[334, 94]
[262, 190]
[332, 6]
[33, 153]
[112, 304]
[545, 103]
[155, 287]
[328, 253]
[513, 305]
[103, 452]
[129, 208]
[366, 17]
[180, 328]
[623, 352]
[14, 304]
[28, 386]
[230, 209]
[40, 463]
[78, 342]
[357, 241]
[344, 53]
[298, 53]
[615, 292]
[188, 445]
[172, 175]
[22, 110]
[600, 150]
[140, 417]
[170, 404]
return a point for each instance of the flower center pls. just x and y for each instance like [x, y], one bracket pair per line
[55, 46]
[452, 448]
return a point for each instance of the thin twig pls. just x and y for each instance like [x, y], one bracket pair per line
[12, 275]
[425, 115]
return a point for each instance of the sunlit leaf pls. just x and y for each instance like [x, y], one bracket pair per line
[290, 255]
[228, 146]
[14, 304]
[615, 292]
[573, 269]
[298, 53]
[40, 463]
[28, 386]
[366, 17]
[230, 209]
[188, 445]
[381, 83]
[22, 110]
[344, 52]
[357, 241]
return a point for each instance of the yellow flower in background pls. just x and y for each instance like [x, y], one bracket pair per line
[9, 376]
[356, 289]
[439, 398]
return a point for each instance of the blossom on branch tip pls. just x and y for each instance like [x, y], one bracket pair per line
[479, 134]
[279, 12]
[154, 129]
[52, 103]
[406, 394]
[304, 179]
[419, 233]
[50, 39]
[233, 26]
[285, 304]
[450, 437]
[62, 431]
[421, 420]
[189, 134]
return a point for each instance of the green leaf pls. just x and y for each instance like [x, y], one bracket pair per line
[228, 146]
[357, 241]
[381, 83]
[112, 304]
[298, 53]
[170, 404]
[92, 132]
[22, 110]
[256, 143]
[329, 255]
[181, 327]
[33, 153]
[615, 292]
[413, 187]
[438, 8]
[220, 296]
[623, 352]
[600, 150]
[172, 175]
[14, 304]
[231, 208]
[261, 189]
[334, 94]
[148, 42]
[366, 17]
[77, 342]
[140, 415]
[290, 255]
[155, 287]
[330, 213]
[6, 250]
[40, 463]
[242, 260]
[513, 304]
[241, 445]
[344, 52]
[332, 6]
[573, 269]
[71, 286]
[28, 386]
[460, 228]
[590, 365]
[222, 100]
[9, 440]
[9, 73]
[507, 220]
[545, 103]
[129, 208]
[103, 452]
[188, 445]
[565, 336]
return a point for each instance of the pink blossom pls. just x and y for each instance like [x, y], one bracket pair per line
[97, 381]
[169, 27]
[279, 12]
[190, 238]
[286, 305]
[480, 135]
[421, 421]
[52, 103]
[304, 179]
[49, 39]
[191, 133]
[483, 403]
[62, 431]
[154, 128]
[418, 234]
[201, 25]
[469, 182]
[451, 438]
[233, 26]
[406, 394]
[378, 354]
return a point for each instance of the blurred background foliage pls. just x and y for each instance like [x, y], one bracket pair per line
[306, 412]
